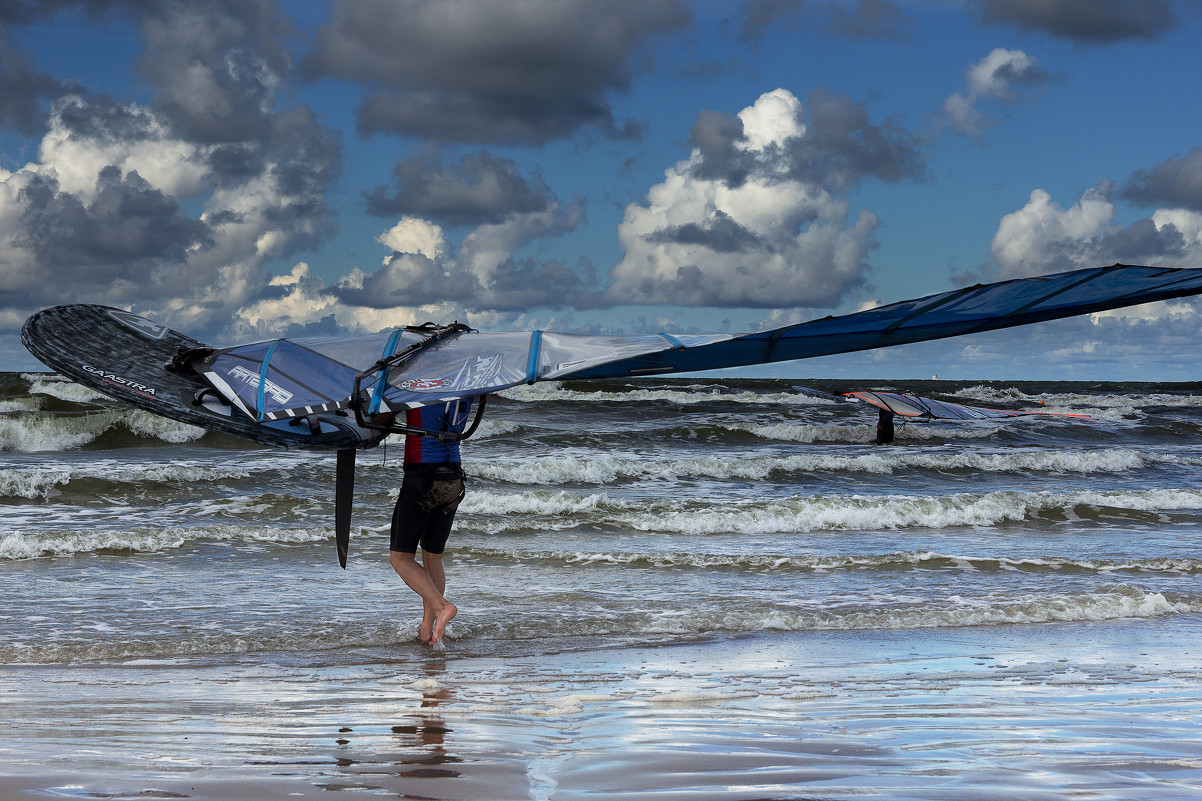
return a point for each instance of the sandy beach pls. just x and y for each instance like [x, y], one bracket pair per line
[1047, 712]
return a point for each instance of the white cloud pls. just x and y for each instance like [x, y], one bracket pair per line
[415, 235]
[142, 145]
[307, 302]
[1188, 223]
[769, 241]
[993, 78]
[775, 117]
[1032, 240]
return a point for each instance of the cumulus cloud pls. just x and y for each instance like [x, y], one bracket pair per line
[481, 273]
[480, 188]
[997, 78]
[1043, 237]
[1176, 181]
[499, 72]
[1084, 21]
[173, 206]
[302, 304]
[754, 216]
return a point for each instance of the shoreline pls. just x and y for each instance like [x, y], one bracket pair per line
[963, 713]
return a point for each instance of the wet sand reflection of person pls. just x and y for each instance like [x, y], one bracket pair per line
[430, 731]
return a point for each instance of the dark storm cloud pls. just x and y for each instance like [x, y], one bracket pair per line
[526, 283]
[720, 234]
[861, 19]
[1139, 243]
[840, 148]
[215, 69]
[1143, 242]
[716, 137]
[480, 189]
[24, 90]
[505, 72]
[483, 274]
[1084, 21]
[409, 279]
[843, 147]
[100, 118]
[1174, 182]
[304, 159]
[215, 66]
[122, 235]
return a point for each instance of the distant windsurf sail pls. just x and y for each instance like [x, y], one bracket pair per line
[415, 366]
[910, 406]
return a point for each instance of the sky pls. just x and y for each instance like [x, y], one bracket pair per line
[248, 169]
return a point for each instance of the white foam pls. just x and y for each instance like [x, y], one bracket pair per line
[58, 387]
[17, 545]
[32, 433]
[553, 391]
[145, 424]
[43, 480]
[1112, 408]
[593, 468]
[764, 563]
[917, 613]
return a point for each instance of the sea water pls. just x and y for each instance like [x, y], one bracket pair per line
[709, 587]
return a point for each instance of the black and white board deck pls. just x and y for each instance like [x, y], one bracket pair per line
[126, 356]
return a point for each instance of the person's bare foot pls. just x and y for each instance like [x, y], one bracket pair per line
[426, 630]
[440, 622]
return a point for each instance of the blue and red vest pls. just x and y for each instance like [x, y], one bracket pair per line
[431, 450]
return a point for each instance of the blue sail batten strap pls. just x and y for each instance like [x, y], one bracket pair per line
[676, 343]
[263, 379]
[377, 393]
[536, 343]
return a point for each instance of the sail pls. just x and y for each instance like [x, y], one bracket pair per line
[409, 367]
[297, 377]
[983, 307]
[907, 405]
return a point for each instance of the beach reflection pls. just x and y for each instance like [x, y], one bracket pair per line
[425, 737]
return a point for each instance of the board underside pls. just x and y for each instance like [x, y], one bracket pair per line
[125, 357]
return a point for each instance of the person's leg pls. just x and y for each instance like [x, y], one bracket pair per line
[437, 618]
[437, 610]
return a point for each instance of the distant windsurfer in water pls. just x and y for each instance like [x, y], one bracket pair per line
[425, 509]
[884, 427]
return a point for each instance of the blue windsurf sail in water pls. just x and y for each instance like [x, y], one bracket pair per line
[406, 367]
[906, 405]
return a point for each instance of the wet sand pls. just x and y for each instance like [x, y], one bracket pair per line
[1034, 712]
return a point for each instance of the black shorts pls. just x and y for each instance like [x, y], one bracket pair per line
[425, 508]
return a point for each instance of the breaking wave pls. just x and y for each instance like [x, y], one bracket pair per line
[495, 513]
[589, 468]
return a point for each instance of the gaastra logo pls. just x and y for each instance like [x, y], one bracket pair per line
[140, 324]
[420, 384]
[120, 381]
[277, 393]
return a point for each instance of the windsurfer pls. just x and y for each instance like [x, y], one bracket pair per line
[884, 427]
[425, 510]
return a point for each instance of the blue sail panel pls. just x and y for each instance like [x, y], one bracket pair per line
[986, 307]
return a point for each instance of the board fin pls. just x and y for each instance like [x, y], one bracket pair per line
[344, 486]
